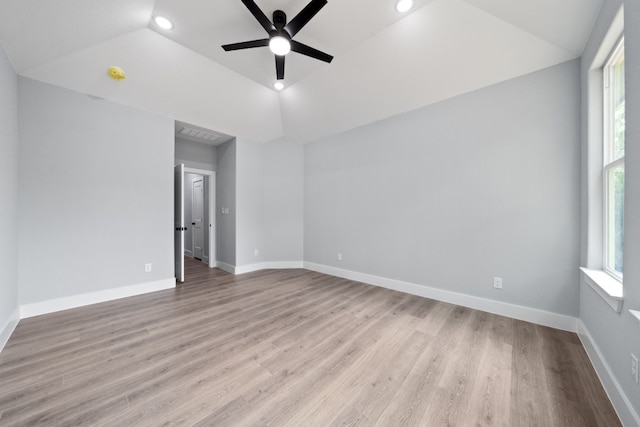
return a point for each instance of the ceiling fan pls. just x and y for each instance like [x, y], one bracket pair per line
[281, 34]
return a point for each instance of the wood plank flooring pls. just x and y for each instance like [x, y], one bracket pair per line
[293, 348]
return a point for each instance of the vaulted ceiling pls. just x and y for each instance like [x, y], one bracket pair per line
[386, 63]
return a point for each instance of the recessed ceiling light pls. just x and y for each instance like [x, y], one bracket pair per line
[279, 45]
[404, 5]
[163, 22]
[278, 85]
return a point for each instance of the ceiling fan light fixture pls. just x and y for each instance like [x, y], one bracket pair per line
[404, 5]
[279, 45]
[163, 22]
[278, 85]
[281, 33]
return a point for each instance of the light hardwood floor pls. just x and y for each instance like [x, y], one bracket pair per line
[294, 348]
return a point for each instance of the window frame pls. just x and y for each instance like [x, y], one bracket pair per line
[609, 162]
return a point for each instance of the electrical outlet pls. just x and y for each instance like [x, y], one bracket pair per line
[339, 256]
[256, 252]
[634, 367]
[497, 282]
[147, 268]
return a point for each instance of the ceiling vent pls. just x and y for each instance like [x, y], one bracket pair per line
[198, 134]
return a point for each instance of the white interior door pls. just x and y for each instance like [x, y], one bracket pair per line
[197, 219]
[211, 176]
[178, 189]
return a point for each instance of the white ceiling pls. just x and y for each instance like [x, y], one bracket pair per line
[385, 63]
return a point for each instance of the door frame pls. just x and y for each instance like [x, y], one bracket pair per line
[212, 211]
[178, 215]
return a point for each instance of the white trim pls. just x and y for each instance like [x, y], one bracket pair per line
[636, 314]
[609, 288]
[199, 171]
[9, 327]
[249, 268]
[226, 267]
[188, 252]
[65, 303]
[540, 317]
[267, 265]
[609, 41]
[283, 265]
[620, 401]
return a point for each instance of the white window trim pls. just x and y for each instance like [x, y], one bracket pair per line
[607, 154]
[605, 285]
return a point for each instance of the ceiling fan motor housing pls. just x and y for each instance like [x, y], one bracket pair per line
[281, 33]
[279, 19]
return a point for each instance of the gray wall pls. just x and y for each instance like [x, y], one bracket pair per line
[632, 199]
[617, 335]
[450, 195]
[283, 201]
[96, 194]
[249, 203]
[196, 155]
[226, 198]
[269, 202]
[8, 192]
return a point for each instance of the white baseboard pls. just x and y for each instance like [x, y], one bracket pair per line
[248, 268]
[59, 304]
[188, 252]
[540, 317]
[267, 265]
[9, 327]
[284, 265]
[621, 403]
[226, 267]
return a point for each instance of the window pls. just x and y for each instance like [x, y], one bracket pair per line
[604, 173]
[613, 155]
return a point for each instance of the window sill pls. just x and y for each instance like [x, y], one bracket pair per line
[636, 314]
[606, 286]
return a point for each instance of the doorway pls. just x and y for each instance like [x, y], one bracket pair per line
[197, 218]
[195, 235]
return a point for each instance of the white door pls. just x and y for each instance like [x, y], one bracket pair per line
[178, 190]
[197, 219]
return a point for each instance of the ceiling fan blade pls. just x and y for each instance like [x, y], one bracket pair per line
[246, 45]
[279, 67]
[305, 15]
[259, 15]
[309, 51]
